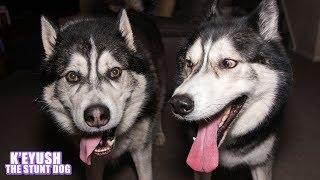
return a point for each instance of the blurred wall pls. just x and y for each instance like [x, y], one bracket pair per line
[303, 17]
[317, 47]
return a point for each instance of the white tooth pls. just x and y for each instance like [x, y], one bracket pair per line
[193, 138]
[222, 139]
[110, 142]
[227, 110]
[225, 115]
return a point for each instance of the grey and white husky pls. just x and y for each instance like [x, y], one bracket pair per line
[102, 85]
[234, 78]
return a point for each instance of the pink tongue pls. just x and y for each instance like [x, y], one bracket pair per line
[87, 146]
[204, 154]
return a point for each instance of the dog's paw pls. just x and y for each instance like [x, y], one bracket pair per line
[160, 139]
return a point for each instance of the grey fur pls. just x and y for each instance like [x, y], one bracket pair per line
[91, 47]
[263, 74]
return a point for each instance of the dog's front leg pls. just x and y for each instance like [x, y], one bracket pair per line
[95, 171]
[142, 159]
[263, 172]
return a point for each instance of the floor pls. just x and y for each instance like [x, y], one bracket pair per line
[24, 128]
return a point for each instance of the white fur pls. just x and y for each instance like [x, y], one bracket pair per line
[134, 106]
[196, 56]
[223, 49]
[112, 94]
[258, 155]
[269, 19]
[126, 30]
[259, 103]
[109, 94]
[93, 60]
[106, 61]
[78, 63]
[207, 48]
[212, 88]
[56, 109]
[262, 172]
[195, 52]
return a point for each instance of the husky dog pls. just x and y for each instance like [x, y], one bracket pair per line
[102, 85]
[234, 78]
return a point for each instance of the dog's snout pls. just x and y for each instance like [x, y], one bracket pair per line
[97, 115]
[181, 104]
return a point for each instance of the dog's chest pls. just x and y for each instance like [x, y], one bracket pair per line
[138, 136]
[257, 155]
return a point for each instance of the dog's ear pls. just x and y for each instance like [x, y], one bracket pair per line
[48, 35]
[266, 19]
[214, 10]
[125, 29]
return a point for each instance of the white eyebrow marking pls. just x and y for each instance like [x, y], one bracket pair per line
[78, 63]
[106, 60]
[223, 48]
[195, 51]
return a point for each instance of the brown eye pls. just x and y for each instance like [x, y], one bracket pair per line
[114, 73]
[72, 76]
[228, 64]
[189, 63]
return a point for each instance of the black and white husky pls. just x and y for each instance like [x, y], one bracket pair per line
[233, 80]
[102, 84]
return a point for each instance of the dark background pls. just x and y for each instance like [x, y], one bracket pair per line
[25, 128]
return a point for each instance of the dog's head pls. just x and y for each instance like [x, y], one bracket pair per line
[235, 69]
[94, 82]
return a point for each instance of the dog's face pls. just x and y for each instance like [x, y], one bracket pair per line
[91, 85]
[233, 68]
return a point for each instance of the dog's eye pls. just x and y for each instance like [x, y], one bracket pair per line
[72, 77]
[115, 73]
[228, 64]
[189, 63]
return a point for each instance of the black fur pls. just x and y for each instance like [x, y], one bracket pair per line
[245, 35]
[106, 35]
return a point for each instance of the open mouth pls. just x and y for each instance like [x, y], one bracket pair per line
[229, 114]
[204, 153]
[100, 144]
[226, 116]
[106, 144]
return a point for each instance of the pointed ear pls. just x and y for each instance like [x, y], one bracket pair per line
[266, 17]
[48, 35]
[214, 10]
[125, 29]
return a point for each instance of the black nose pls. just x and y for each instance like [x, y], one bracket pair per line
[181, 104]
[97, 115]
